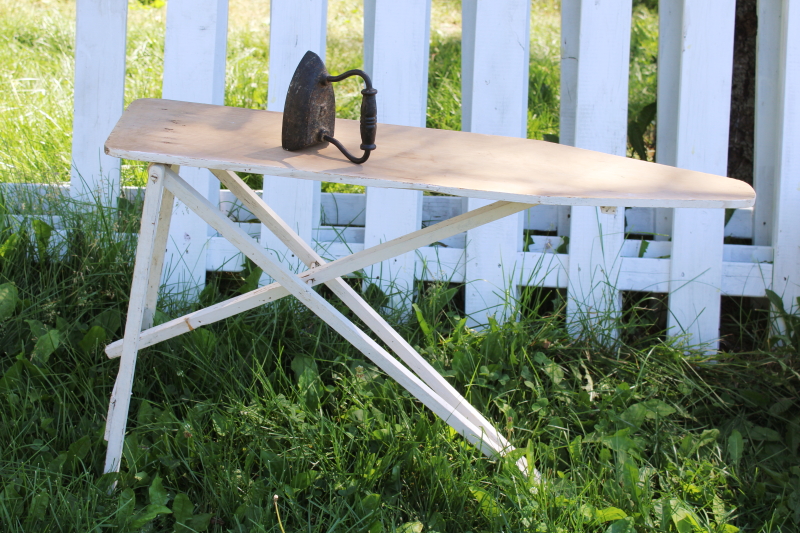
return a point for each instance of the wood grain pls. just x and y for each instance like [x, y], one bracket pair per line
[460, 163]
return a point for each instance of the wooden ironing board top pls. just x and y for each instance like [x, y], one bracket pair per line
[452, 162]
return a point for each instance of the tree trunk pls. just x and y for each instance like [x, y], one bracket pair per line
[740, 147]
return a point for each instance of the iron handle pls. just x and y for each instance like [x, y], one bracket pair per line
[369, 117]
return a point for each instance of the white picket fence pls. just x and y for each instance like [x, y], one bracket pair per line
[695, 64]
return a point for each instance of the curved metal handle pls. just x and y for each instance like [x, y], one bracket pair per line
[369, 117]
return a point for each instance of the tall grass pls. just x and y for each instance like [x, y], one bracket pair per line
[638, 437]
[38, 52]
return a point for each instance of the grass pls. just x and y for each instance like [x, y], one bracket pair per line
[644, 436]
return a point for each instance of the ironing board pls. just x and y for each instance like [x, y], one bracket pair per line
[516, 173]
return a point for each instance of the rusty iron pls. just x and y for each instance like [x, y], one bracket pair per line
[309, 115]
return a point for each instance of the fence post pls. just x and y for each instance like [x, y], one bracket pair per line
[765, 149]
[601, 120]
[400, 73]
[194, 71]
[295, 28]
[494, 96]
[99, 93]
[786, 230]
[702, 144]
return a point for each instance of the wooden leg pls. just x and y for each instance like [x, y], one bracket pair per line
[323, 273]
[351, 299]
[329, 314]
[120, 399]
[157, 264]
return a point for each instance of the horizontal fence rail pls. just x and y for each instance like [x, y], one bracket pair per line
[677, 252]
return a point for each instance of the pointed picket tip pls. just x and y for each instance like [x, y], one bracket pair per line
[451, 162]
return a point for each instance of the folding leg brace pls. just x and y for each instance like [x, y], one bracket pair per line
[432, 390]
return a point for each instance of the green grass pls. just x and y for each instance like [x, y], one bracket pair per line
[640, 437]
[645, 436]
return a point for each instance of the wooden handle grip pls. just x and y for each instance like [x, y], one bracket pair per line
[369, 118]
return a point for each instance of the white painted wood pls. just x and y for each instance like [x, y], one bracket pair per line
[740, 224]
[702, 144]
[767, 116]
[222, 256]
[100, 37]
[570, 47]
[343, 215]
[351, 299]
[670, 20]
[396, 43]
[328, 234]
[646, 274]
[786, 230]
[601, 123]
[194, 71]
[639, 220]
[347, 264]
[157, 264]
[741, 253]
[494, 95]
[120, 400]
[343, 209]
[746, 279]
[436, 263]
[295, 28]
[324, 310]
[540, 218]
[543, 269]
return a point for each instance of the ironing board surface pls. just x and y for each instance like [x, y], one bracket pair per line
[452, 162]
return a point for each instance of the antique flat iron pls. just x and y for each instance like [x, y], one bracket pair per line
[310, 111]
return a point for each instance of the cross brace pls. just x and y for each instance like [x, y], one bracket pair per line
[424, 382]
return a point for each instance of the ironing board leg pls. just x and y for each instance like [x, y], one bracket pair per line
[362, 309]
[236, 236]
[121, 397]
[159, 251]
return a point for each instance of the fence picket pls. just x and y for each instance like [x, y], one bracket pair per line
[194, 71]
[786, 230]
[295, 28]
[99, 90]
[701, 144]
[601, 119]
[570, 47]
[400, 73]
[765, 150]
[494, 95]
[695, 55]
[670, 20]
